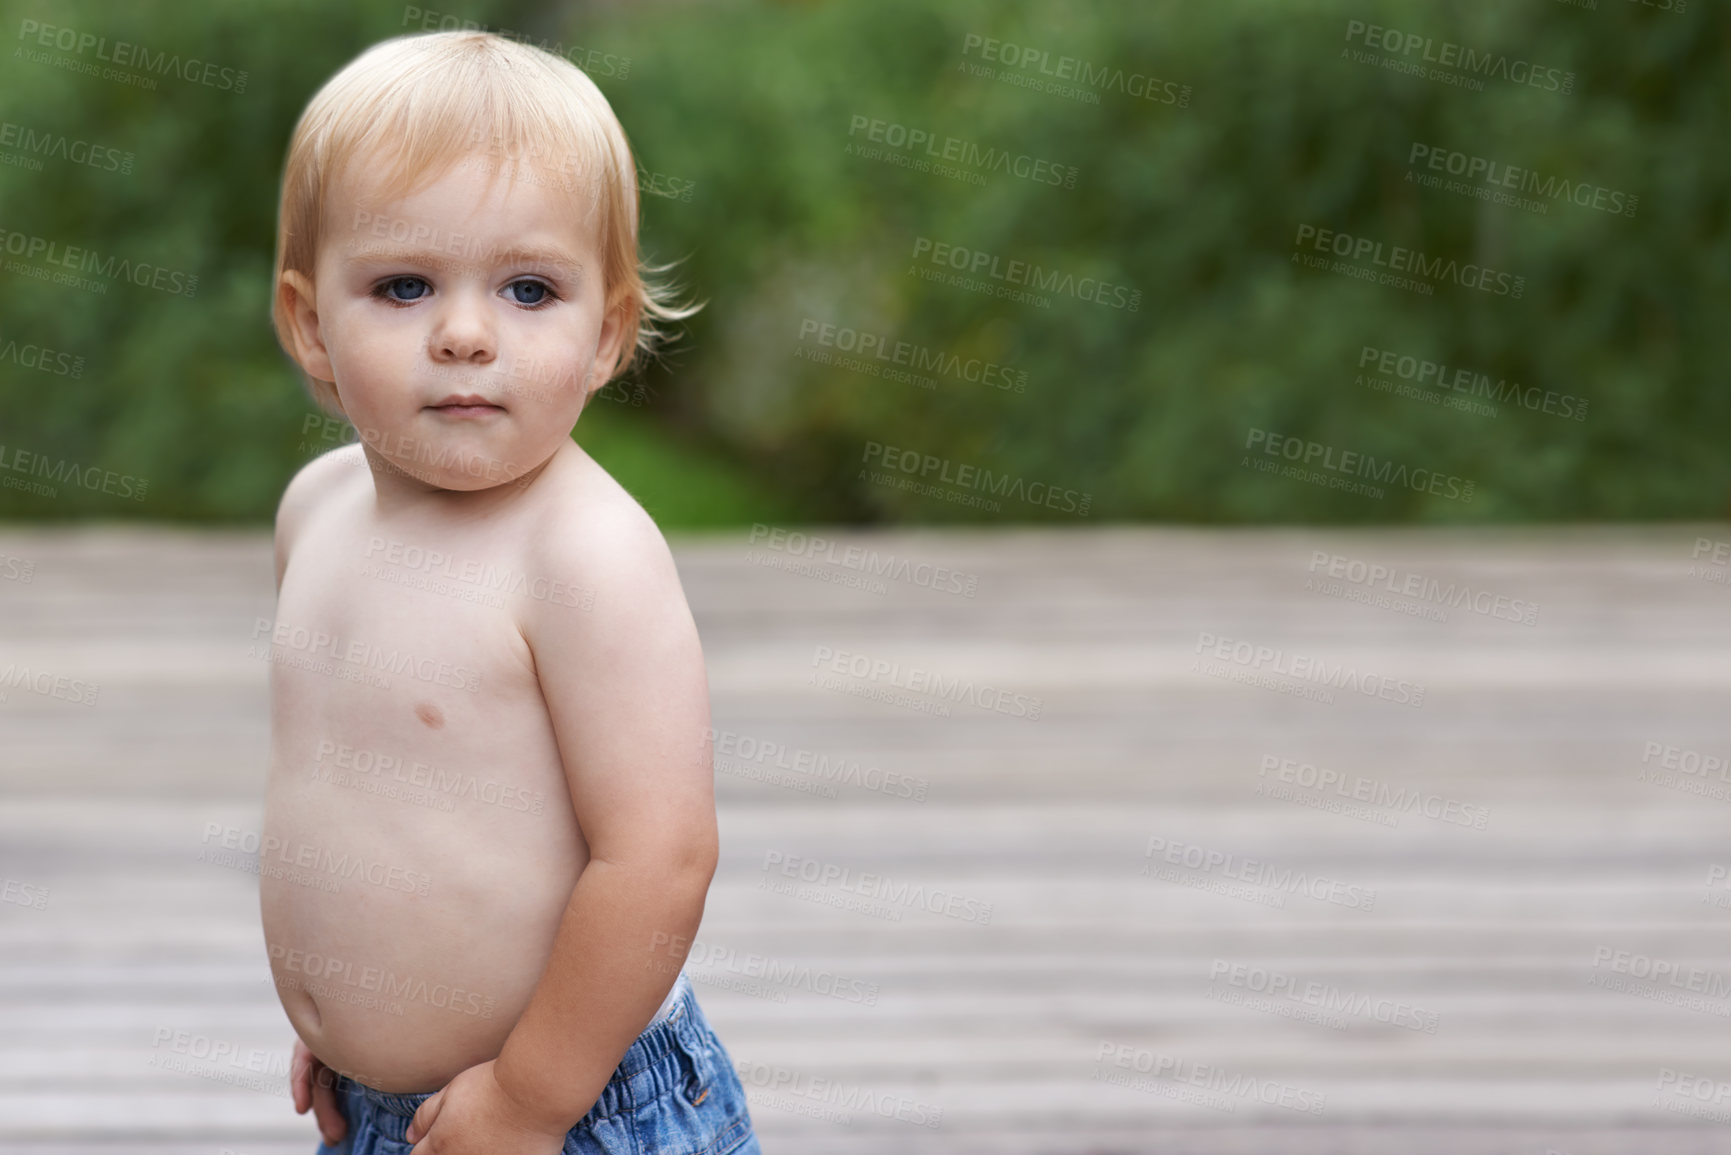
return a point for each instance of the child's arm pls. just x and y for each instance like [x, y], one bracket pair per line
[626, 690]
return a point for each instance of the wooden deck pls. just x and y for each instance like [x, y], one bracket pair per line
[995, 1030]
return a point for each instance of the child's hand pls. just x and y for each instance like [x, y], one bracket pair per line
[472, 1115]
[314, 1085]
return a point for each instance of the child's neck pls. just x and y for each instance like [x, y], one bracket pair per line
[397, 491]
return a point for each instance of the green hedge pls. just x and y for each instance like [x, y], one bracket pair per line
[1257, 121]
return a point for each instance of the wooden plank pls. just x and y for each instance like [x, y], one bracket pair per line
[1000, 1023]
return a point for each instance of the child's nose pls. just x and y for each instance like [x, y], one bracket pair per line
[464, 333]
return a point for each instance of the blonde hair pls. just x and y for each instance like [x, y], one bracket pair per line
[418, 105]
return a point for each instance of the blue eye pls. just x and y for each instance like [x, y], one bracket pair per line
[529, 292]
[402, 289]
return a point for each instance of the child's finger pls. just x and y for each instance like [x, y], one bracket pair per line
[329, 1113]
[301, 1078]
[423, 1120]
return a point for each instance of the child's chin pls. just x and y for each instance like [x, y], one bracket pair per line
[464, 475]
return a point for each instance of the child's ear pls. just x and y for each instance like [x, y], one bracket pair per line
[611, 350]
[295, 292]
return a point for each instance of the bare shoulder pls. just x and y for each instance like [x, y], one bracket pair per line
[594, 534]
[309, 490]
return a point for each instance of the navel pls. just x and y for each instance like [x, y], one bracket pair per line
[429, 713]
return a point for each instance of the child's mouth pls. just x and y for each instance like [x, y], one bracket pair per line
[466, 405]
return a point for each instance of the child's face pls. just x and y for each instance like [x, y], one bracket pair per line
[463, 325]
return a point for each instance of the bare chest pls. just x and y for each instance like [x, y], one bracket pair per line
[398, 663]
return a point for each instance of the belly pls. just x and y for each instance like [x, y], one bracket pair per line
[410, 901]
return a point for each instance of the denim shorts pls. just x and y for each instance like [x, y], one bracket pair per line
[674, 1093]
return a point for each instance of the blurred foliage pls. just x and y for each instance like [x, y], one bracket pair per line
[742, 112]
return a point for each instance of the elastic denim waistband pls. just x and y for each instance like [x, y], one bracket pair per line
[656, 1042]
